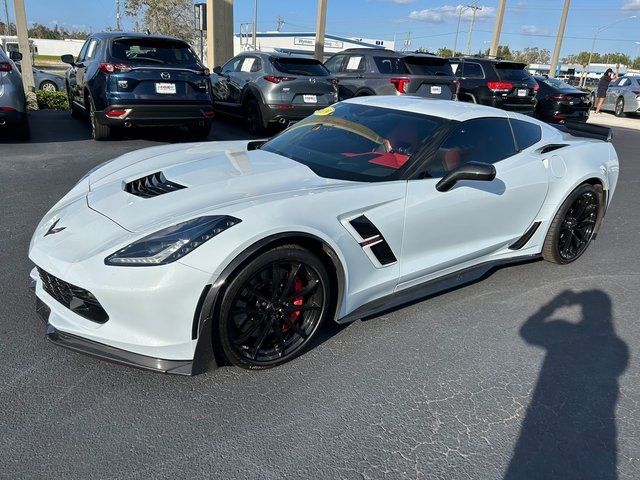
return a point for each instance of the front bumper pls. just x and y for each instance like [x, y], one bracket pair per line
[107, 352]
[149, 115]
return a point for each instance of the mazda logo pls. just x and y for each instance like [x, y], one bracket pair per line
[53, 229]
[312, 80]
[165, 75]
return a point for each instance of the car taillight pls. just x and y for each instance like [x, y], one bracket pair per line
[500, 86]
[117, 112]
[5, 67]
[536, 87]
[560, 98]
[208, 112]
[7, 109]
[114, 67]
[275, 79]
[400, 83]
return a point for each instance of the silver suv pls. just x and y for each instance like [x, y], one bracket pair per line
[13, 106]
[623, 96]
[373, 71]
[268, 88]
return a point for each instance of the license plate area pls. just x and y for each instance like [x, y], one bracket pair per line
[436, 90]
[310, 98]
[522, 92]
[166, 88]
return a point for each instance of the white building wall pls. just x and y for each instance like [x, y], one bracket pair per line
[58, 47]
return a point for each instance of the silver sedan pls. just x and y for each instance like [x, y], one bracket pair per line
[623, 96]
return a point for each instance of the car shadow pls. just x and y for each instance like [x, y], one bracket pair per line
[569, 431]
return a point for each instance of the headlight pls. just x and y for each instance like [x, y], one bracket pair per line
[172, 243]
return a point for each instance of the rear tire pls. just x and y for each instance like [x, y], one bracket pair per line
[200, 132]
[99, 132]
[273, 308]
[575, 225]
[48, 86]
[253, 118]
[619, 111]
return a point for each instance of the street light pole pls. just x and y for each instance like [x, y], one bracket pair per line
[497, 27]
[593, 44]
[558, 47]
[321, 26]
[475, 9]
[461, 9]
[255, 22]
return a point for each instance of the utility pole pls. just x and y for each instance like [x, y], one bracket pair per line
[7, 31]
[118, 26]
[23, 45]
[321, 26]
[255, 22]
[497, 27]
[475, 7]
[556, 50]
[219, 32]
[279, 23]
[455, 42]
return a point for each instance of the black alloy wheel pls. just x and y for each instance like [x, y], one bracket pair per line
[619, 111]
[273, 308]
[574, 225]
[253, 118]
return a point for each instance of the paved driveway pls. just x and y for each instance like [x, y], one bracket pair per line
[475, 383]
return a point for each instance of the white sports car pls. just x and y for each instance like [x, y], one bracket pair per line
[179, 257]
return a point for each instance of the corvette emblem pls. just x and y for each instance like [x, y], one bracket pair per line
[53, 229]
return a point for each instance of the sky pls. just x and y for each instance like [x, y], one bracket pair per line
[430, 23]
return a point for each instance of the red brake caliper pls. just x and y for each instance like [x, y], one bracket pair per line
[298, 301]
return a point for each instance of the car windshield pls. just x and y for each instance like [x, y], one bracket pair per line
[153, 51]
[356, 142]
[300, 66]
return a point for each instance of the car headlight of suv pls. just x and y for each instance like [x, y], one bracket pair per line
[171, 243]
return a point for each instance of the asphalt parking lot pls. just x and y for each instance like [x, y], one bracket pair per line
[475, 383]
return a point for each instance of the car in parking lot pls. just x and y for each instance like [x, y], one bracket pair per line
[496, 83]
[13, 105]
[270, 88]
[367, 71]
[557, 101]
[623, 96]
[129, 79]
[47, 81]
[176, 258]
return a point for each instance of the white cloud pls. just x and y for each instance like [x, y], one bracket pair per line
[631, 5]
[532, 30]
[440, 14]
[403, 2]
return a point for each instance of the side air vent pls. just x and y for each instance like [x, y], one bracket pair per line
[152, 186]
[373, 240]
[552, 147]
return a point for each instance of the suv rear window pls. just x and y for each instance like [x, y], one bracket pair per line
[300, 66]
[153, 51]
[512, 71]
[414, 65]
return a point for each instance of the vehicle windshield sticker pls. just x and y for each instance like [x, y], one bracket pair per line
[325, 111]
[354, 63]
[247, 64]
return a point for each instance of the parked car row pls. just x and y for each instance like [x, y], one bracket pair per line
[13, 104]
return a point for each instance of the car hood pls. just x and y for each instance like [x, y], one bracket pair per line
[216, 177]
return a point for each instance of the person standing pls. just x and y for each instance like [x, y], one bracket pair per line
[603, 84]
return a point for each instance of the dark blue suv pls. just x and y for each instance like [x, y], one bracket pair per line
[126, 79]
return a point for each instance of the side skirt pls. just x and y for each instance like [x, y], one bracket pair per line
[432, 288]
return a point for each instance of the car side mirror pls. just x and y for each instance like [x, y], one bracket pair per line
[483, 172]
[15, 56]
[217, 70]
[68, 59]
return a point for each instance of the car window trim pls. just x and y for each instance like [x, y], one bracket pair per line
[484, 74]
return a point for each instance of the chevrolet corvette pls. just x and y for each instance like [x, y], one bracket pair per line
[178, 258]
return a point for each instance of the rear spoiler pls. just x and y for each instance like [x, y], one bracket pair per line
[586, 130]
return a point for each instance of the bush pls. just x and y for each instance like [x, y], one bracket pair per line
[52, 100]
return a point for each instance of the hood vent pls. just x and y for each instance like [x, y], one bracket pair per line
[373, 240]
[152, 186]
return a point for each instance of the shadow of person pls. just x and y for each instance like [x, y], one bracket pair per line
[569, 431]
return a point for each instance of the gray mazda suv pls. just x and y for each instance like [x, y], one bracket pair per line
[13, 105]
[269, 88]
[373, 71]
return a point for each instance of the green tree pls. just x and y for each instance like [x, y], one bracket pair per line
[166, 17]
[445, 52]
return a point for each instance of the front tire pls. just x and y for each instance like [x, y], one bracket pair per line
[48, 86]
[574, 225]
[619, 111]
[273, 308]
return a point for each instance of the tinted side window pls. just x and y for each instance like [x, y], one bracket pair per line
[526, 133]
[92, 50]
[232, 65]
[623, 81]
[334, 63]
[389, 64]
[486, 140]
[355, 63]
[472, 70]
[83, 51]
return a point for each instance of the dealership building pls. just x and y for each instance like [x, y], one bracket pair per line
[303, 42]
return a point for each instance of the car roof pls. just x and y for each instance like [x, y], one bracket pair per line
[115, 35]
[275, 55]
[448, 109]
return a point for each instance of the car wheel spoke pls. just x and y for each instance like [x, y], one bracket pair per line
[309, 289]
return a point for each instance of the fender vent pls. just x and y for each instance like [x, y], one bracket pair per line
[373, 240]
[551, 147]
[152, 186]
